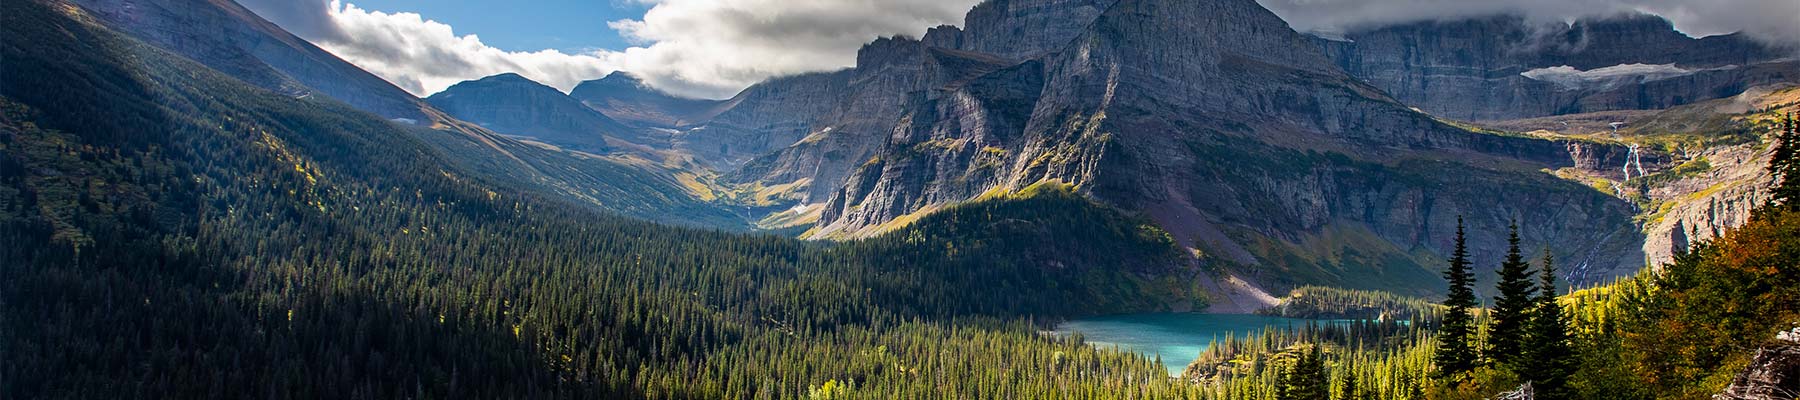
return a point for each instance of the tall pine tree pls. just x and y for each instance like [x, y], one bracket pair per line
[1513, 306]
[1784, 166]
[1306, 379]
[1351, 390]
[1455, 354]
[1551, 354]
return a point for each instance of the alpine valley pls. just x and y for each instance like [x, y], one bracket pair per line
[197, 203]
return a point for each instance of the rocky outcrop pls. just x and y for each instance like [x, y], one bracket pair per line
[889, 73]
[1705, 205]
[1773, 373]
[627, 99]
[231, 39]
[511, 104]
[1506, 67]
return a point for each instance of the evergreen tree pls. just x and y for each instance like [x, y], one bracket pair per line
[1306, 379]
[1551, 354]
[1784, 166]
[1350, 390]
[1513, 307]
[1455, 355]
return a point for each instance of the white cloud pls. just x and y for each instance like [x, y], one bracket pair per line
[1773, 21]
[424, 56]
[701, 48]
[713, 48]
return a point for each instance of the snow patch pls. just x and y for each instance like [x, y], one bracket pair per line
[1332, 35]
[1608, 77]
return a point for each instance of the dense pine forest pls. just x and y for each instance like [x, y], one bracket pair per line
[171, 232]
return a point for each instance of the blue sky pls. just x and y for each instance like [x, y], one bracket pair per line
[572, 26]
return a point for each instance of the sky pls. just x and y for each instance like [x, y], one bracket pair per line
[566, 25]
[715, 48]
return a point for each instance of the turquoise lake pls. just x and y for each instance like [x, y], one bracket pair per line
[1177, 337]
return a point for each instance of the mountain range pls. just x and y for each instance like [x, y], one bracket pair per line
[195, 203]
[1276, 158]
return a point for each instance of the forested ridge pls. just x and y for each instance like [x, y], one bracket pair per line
[174, 233]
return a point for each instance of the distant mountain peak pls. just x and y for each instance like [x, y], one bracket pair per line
[510, 103]
[623, 77]
[626, 97]
[508, 77]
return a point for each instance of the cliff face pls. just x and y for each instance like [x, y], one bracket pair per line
[1019, 29]
[512, 104]
[227, 37]
[1506, 67]
[764, 118]
[1244, 141]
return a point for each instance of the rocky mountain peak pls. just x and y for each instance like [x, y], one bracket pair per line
[1233, 133]
[1021, 29]
[887, 52]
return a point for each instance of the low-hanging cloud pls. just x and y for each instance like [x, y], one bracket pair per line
[420, 55]
[1773, 21]
[713, 48]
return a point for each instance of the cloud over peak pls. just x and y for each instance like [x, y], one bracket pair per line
[713, 48]
[421, 55]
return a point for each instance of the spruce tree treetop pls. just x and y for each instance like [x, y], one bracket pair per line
[1784, 166]
[1513, 307]
[1550, 354]
[1456, 353]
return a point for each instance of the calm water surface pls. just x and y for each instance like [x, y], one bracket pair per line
[1177, 337]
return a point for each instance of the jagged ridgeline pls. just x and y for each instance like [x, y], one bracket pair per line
[173, 232]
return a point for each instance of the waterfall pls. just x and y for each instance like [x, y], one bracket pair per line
[1633, 159]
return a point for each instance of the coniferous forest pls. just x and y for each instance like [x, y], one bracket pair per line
[171, 232]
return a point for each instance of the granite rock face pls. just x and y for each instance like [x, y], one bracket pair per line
[1242, 139]
[1506, 67]
[627, 99]
[1773, 373]
[511, 104]
[227, 37]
